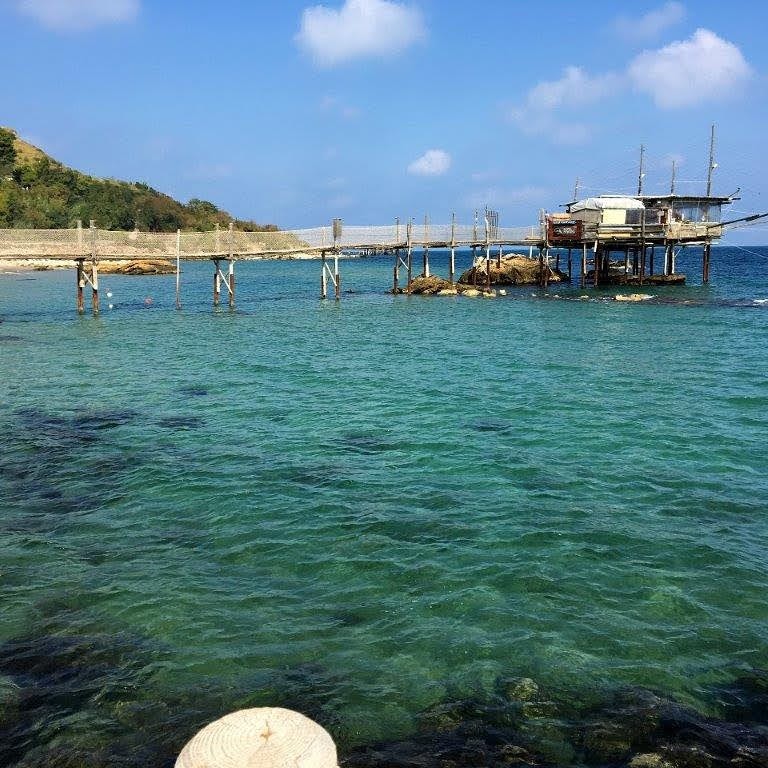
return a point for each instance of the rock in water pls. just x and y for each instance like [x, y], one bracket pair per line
[633, 296]
[430, 286]
[515, 269]
[137, 267]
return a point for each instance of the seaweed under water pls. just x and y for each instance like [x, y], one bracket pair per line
[91, 701]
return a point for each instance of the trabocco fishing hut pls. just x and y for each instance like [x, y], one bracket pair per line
[634, 227]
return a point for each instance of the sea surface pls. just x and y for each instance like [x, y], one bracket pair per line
[364, 508]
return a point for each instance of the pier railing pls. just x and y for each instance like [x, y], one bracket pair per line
[79, 242]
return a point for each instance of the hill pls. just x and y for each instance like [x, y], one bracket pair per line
[39, 192]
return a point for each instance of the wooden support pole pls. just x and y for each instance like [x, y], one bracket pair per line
[487, 252]
[583, 276]
[80, 286]
[95, 286]
[642, 247]
[216, 282]
[541, 267]
[452, 265]
[178, 269]
[323, 285]
[596, 278]
[557, 260]
[409, 237]
[94, 269]
[650, 263]
[396, 272]
[474, 251]
[705, 263]
[626, 260]
[336, 276]
[231, 284]
[545, 273]
[498, 257]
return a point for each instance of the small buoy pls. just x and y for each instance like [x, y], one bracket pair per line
[111, 306]
[109, 294]
[148, 301]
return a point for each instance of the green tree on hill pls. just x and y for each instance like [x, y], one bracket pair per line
[7, 153]
[36, 191]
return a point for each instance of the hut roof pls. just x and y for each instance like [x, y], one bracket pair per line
[606, 201]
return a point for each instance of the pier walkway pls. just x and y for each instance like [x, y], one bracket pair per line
[91, 242]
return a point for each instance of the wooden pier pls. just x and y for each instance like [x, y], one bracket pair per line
[614, 238]
[618, 240]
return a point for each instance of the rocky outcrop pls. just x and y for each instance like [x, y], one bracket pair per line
[137, 267]
[438, 286]
[514, 269]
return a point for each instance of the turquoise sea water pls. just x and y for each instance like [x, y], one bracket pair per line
[362, 508]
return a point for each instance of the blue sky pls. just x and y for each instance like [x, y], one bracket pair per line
[294, 112]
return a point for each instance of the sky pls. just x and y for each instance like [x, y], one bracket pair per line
[295, 112]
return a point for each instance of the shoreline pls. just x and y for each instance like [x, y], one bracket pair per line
[112, 265]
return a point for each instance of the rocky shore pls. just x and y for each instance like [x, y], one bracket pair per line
[152, 266]
[523, 725]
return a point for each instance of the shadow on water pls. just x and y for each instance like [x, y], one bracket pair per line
[194, 390]
[48, 457]
[180, 422]
[365, 443]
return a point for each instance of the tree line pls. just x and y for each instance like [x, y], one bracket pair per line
[40, 193]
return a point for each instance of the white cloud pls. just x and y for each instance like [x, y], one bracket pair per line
[434, 162]
[685, 73]
[652, 24]
[575, 89]
[79, 14]
[689, 72]
[359, 29]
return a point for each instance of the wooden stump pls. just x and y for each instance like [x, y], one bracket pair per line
[266, 737]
